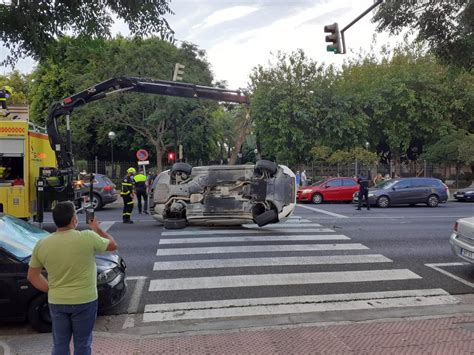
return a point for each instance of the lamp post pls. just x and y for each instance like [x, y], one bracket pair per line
[367, 144]
[112, 136]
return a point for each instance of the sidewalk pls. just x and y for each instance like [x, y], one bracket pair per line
[452, 334]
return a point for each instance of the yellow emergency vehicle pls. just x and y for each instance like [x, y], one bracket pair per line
[24, 149]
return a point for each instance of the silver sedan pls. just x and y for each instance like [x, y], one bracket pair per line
[462, 239]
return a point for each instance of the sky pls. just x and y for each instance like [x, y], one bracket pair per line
[241, 34]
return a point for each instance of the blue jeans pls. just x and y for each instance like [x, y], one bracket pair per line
[76, 320]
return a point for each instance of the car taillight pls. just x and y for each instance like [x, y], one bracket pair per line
[108, 188]
[455, 228]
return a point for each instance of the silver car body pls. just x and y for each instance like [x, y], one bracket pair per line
[226, 194]
[462, 239]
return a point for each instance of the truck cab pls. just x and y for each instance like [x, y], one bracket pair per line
[24, 149]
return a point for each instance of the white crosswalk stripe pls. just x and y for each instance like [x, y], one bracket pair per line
[254, 238]
[282, 261]
[297, 235]
[292, 305]
[260, 248]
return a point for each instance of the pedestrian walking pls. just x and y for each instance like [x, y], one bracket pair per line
[127, 195]
[68, 257]
[303, 178]
[141, 191]
[298, 178]
[363, 192]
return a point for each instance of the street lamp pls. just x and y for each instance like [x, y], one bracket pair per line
[367, 144]
[112, 136]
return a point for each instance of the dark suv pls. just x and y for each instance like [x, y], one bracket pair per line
[408, 191]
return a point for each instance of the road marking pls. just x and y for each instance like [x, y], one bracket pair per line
[254, 238]
[323, 211]
[260, 248]
[245, 231]
[282, 261]
[297, 221]
[105, 226]
[282, 225]
[135, 301]
[438, 266]
[280, 279]
[295, 304]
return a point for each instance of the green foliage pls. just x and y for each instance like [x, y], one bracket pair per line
[28, 27]
[19, 82]
[445, 24]
[455, 148]
[321, 152]
[140, 120]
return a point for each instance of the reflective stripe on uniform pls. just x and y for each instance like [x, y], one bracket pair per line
[126, 214]
[124, 193]
[126, 184]
[130, 203]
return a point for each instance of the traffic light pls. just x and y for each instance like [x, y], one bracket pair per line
[334, 38]
[171, 156]
[178, 72]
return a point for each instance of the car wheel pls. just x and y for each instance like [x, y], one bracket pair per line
[97, 202]
[175, 223]
[433, 201]
[181, 168]
[266, 217]
[383, 202]
[266, 166]
[38, 314]
[317, 199]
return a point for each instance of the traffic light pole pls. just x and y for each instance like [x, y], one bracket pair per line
[374, 5]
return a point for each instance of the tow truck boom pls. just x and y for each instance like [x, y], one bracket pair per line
[64, 189]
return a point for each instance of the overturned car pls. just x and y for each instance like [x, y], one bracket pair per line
[263, 193]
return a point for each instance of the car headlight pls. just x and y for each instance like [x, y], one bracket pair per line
[107, 275]
[307, 191]
[371, 195]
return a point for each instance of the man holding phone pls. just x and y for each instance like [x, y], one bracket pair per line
[68, 255]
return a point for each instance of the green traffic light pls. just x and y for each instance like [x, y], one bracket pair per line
[330, 48]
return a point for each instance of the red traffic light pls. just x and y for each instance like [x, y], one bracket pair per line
[171, 156]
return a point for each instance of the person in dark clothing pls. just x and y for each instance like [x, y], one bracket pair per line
[140, 189]
[363, 192]
[127, 195]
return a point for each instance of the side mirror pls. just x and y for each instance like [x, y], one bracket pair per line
[394, 189]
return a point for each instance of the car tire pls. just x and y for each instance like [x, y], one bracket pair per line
[38, 314]
[383, 202]
[266, 166]
[433, 201]
[97, 202]
[317, 199]
[183, 168]
[266, 217]
[175, 223]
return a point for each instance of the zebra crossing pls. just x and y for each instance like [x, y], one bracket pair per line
[215, 273]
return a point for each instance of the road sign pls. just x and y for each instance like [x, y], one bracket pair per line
[144, 162]
[142, 154]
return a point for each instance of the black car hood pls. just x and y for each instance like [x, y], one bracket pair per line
[107, 261]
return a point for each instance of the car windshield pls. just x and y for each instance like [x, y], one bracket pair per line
[319, 182]
[386, 184]
[19, 237]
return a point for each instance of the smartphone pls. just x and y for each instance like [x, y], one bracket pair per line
[89, 214]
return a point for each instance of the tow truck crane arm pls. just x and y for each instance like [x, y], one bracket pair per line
[63, 147]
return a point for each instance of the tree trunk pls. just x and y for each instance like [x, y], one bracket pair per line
[239, 140]
[159, 158]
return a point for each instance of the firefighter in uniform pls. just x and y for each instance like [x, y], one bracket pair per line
[140, 189]
[127, 195]
[5, 93]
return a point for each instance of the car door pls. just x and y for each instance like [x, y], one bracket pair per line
[402, 192]
[421, 190]
[349, 186]
[332, 190]
[12, 277]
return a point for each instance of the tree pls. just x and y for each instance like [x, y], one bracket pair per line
[446, 25]
[146, 121]
[19, 82]
[28, 27]
[455, 148]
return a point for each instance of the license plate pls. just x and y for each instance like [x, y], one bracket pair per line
[467, 253]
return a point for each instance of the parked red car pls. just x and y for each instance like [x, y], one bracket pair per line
[332, 189]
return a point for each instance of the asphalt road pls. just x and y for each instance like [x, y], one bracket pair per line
[339, 253]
